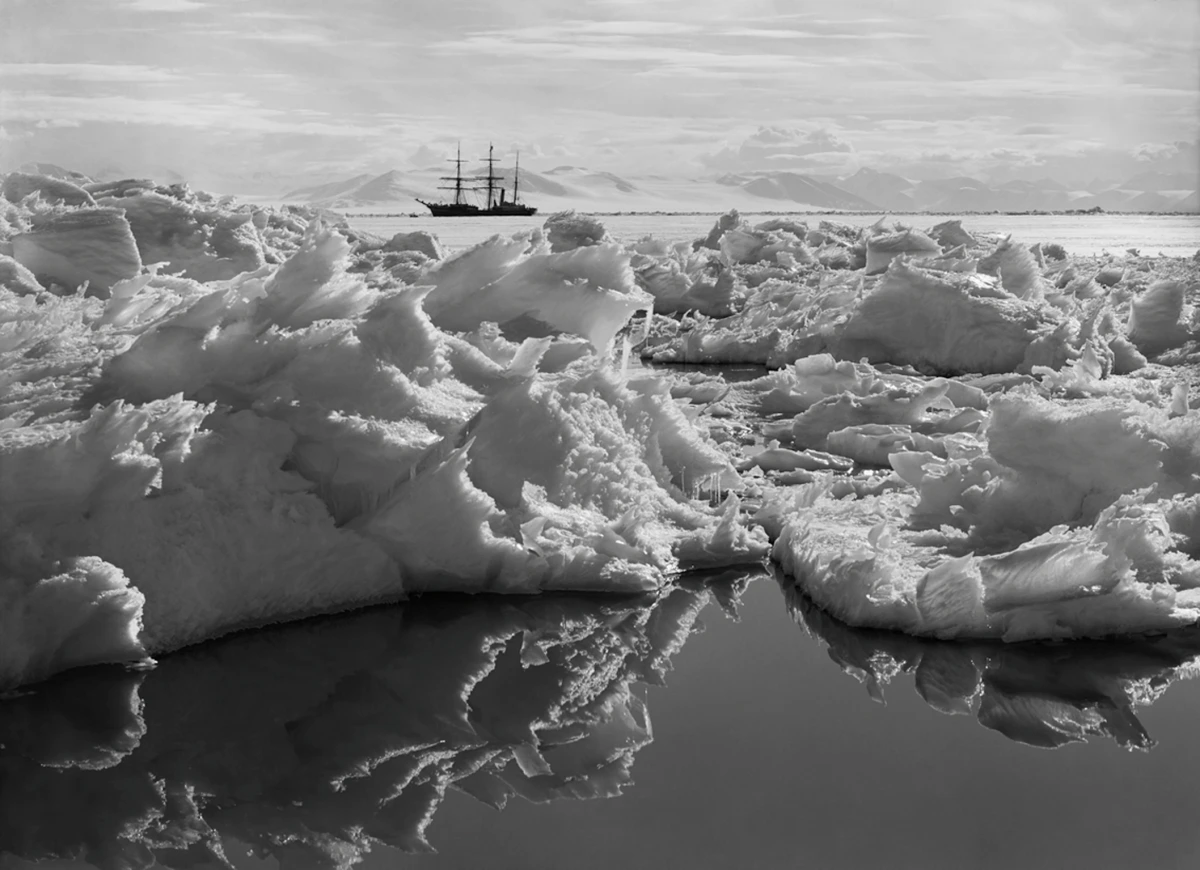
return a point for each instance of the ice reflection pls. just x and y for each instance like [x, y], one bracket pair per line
[314, 741]
[1040, 694]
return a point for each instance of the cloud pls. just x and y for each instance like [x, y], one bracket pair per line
[232, 112]
[1040, 130]
[269, 15]
[8, 135]
[788, 33]
[577, 51]
[89, 72]
[425, 156]
[1185, 153]
[162, 5]
[577, 28]
[777, 147]
[644, 86]
[1076, 161]
[285, 37]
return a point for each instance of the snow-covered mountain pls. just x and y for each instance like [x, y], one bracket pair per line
[791, 187]
[584, 189]
[566, 187]
[1146, 192]
[587, 178]
[333, 189]
[887, 191]
[401, 190]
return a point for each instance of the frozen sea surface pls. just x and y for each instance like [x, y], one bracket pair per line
[765, 752]
[1175, 235]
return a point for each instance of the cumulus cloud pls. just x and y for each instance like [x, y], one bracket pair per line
[781, 147]
[1183, 155]
[1076, 164]
[425, 156]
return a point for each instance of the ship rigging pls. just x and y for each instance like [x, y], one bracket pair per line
[492, 184]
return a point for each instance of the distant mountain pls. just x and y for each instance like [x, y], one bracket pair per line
[887, 191]
[332, 189]
[1158, 182]
[576, 187]
[1041, 185]
[1149, 200]
[392, 186]
[805, 190]
[590, 190]
[1190, 203]
[402, 189]
[1109, 200]
[531, 182]
[592, 179]
[953, 194]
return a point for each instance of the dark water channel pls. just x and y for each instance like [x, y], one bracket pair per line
[616, 734]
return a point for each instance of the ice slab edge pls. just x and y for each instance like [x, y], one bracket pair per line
[290, 433]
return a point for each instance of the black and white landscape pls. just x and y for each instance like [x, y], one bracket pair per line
[780, 427]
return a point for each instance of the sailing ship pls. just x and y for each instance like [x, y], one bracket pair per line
[496, 203]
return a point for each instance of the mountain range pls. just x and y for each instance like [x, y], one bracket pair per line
[574, 187]
[1145, 192]
[566, 187]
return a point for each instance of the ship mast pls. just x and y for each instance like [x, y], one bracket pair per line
[516, 178]
[456, 178]
[492, 178]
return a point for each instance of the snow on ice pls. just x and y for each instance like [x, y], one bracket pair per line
[180, 459]
[215, 416]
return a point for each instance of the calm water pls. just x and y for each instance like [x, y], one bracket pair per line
[1172, 235]
[768, 749]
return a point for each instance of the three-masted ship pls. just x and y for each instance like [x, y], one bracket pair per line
[496, 204]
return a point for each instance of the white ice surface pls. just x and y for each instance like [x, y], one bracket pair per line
[187, 458]
[282, 416]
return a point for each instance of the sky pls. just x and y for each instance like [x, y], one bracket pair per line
[249, 93]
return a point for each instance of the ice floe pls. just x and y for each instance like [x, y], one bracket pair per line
[181, 458]
[214, 416]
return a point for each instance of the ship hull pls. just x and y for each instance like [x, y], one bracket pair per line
[447, 209]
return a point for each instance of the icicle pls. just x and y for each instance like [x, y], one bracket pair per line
[714, 489]
[646, 324]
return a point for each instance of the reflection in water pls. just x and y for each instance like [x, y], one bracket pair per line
[1040, 694]
[311, 742]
